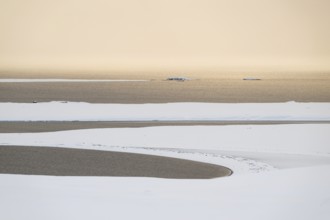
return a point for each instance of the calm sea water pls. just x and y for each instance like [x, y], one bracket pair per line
[230, 88]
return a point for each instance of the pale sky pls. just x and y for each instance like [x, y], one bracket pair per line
[165, 34]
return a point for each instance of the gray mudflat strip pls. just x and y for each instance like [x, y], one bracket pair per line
[22, 127]
[80, 162]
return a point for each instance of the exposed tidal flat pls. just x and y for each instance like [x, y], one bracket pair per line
[81, 162]
[49, 126]
[208, 87]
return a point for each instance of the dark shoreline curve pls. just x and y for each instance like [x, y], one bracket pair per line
[48, 126]
[82, 162]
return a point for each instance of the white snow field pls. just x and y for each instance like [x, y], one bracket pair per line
[68, 80]
[80, 111]
[280, 171]
[301, 193]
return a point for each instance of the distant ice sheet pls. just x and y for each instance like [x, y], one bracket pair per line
[68, 80]
[80, 111]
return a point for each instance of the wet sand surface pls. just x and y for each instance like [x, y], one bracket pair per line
[23, 127]
[78, 162]
[208, 88]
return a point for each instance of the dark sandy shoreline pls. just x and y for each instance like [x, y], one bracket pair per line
[81, 162]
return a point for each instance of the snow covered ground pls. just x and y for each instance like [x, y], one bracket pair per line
[79, 111]
[203, 143]
[301, 193]
[280, 171]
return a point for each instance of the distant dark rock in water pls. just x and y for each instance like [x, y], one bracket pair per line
[251, 78]
[181, 79]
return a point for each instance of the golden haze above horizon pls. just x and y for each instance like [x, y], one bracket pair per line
[169, 35]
